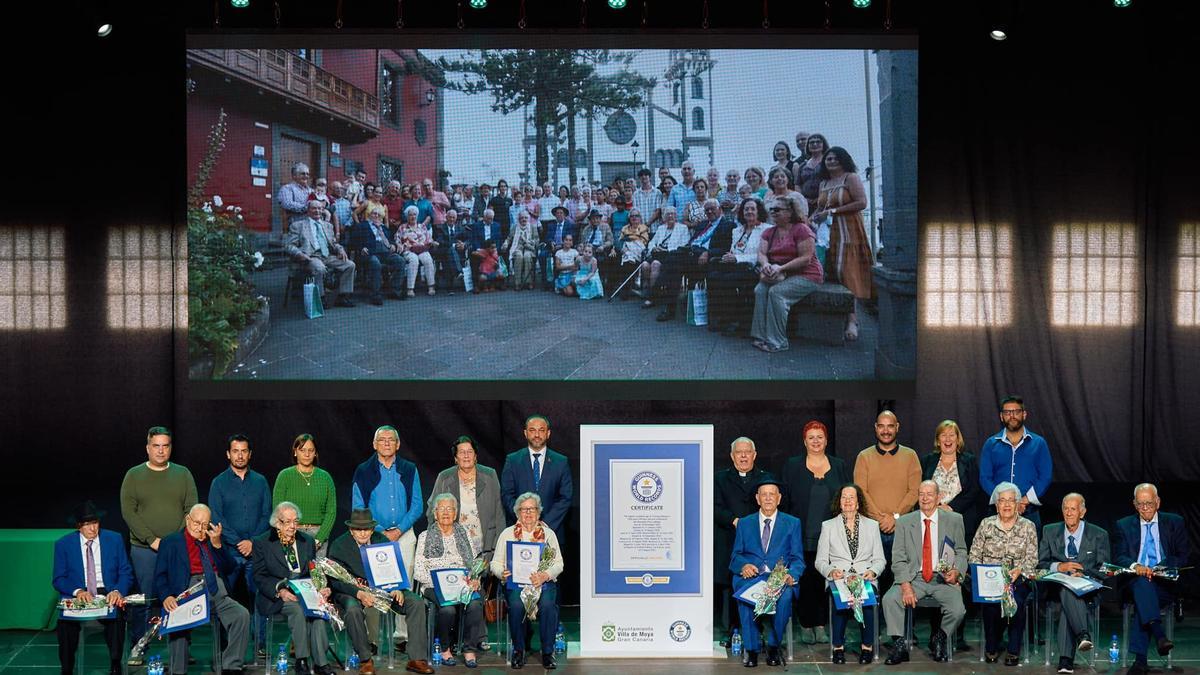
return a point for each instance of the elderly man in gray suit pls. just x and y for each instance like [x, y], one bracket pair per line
[1079, 549]
[915, 555]
[311, 242]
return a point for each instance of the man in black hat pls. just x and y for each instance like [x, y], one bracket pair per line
[552, 238]
[363, 625]
[90, 564]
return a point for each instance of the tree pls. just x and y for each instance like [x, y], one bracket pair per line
[557, 83]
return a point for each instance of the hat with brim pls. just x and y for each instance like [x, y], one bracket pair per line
[361, 519]
[769, 480]
[595, 213]
[558, 208]
[85, 513]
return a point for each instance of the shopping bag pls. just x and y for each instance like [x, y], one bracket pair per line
[468, 278]
[503, 268]
[697, 307]
[312, 300]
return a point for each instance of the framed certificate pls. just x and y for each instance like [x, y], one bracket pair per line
[310, 599]
[1078, 585]
[90, 614]
[840, 590]
[385, 566]
[987, 583]
[190, 613]
[523, 559]
[448, 584]
[753, 593]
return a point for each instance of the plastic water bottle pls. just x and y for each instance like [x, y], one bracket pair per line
[281, 661]
[735, 643]
[437, 651]
[352, 662]
[1114, 650]
[154, 666]
[560, 640]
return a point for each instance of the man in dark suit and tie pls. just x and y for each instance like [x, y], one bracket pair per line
[539, 469]
[552, 238]
[88, 564]
[1079, 549]
[1148, 539]
[376, 250]
[763, 539]
[733, 498]
[187, 557]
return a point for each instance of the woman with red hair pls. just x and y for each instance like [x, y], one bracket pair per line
[810, 482]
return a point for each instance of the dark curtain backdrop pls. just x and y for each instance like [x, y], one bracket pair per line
[1082, 116]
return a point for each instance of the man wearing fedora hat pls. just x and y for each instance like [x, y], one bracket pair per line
[362, 625]
[91, 563]
[552, 238]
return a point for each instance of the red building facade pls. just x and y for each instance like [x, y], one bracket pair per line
[336, 110]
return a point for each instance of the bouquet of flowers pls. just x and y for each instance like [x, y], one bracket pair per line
[766, 604]
[151, 633]
[854, 583]
[1008, 601]
[531, 594]
[1160, 571]
[97, 602]
[475, 571]
[322, 568]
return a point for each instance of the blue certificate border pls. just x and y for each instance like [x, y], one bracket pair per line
[192, 624]
[437, 585]
[687, 581]
[975, 584]
[403, 584]
[508, 556]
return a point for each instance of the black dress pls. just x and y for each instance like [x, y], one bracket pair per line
[808, 498]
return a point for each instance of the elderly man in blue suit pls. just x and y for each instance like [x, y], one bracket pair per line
[1150, 538]
[537, 468]
[762, 539]
[91, 563]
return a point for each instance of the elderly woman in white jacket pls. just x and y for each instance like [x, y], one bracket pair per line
[849, 545]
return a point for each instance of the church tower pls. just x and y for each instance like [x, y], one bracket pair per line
[690, 73]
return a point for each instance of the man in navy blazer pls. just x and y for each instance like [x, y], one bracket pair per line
[552, 238]
[539, 469]
[762, 539]
[187, 557]
[111, 576]
[1151, 538]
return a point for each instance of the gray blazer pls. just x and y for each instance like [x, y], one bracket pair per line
[833, 549]
[906, 550]
[487, 496]
[300, 240]
[1093, 550]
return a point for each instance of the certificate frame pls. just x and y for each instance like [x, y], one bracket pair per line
[511, 551]
[195, 612]
[870, 599]
[981, 572]
[443, 577]
[1080, 586]
[752, 592]
[385, 556]
[92, 614]
[304, 588]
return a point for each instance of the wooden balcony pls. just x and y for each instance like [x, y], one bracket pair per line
[297, 80]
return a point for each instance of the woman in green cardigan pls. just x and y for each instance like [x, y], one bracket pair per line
[309, 488]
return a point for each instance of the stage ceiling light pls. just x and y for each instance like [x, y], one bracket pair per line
[104, 29]
[860, 4]
[239, 4]
[998, 34]
[1121, 3]
[617, 4]
[478, 4]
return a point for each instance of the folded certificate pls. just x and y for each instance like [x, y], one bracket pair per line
[89, 614]
[1078, 585]
[523, 560]
[753, 593]
[866, 596]
[190, 613]
[449, 584]
[987, 583]
[310, 599]
[385, 566]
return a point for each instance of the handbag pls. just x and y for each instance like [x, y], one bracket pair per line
[312, 299]
[697, 306]
[491, 606]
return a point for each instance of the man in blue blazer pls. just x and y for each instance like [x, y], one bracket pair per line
[1149, 539]
[185, 558]
[539, 469]
[762, 539]
[110, 575]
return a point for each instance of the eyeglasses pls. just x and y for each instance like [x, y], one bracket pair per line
[1006, 500]
[444, 509]
[1012, 413]
[527, 509]
[1144, 505]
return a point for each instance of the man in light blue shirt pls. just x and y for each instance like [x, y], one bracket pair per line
[683, 194]
[1018, 456]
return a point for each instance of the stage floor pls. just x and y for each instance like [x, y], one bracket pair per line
[37, 652]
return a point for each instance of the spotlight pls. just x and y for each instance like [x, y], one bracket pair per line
[239, 4]
[860, 4]
[998, 34]
[104, 29]
[1121, 3]
[478, 4]
[617, 4]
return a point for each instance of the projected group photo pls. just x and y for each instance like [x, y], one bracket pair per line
[546, 214]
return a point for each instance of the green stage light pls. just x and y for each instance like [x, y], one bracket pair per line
[1121, 3]
[617, 4]
[860, 4]
[240, 4]
[478, 4]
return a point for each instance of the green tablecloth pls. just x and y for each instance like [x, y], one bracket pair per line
[27, 598]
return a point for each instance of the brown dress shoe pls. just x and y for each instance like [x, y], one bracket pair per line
[366, 668]
[421, 666]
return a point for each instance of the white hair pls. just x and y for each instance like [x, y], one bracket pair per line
[1002, 488]
[1074, 495]
[199, 507]
[713, 202]
[438, 499]
[410, 209]
[298, 166]
[742, 439]
[489, 212]
[1145, 486]
[387, 428]
[279, 509]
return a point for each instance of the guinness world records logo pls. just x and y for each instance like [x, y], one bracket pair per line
[646, 486]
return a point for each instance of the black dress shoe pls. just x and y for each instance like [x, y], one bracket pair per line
[376, 299]
[751, 659]
[990, 657]
[772, 656]
[1085, 642]
[1165, 646]
[1066, 665]
[114, 668]
[896, 656]
[324, 670]
[839, 655]
[548, 661]
[866, 655]
[302, 667]
[1012, 660]
[343, 300]
[518, 660]
[665, 315]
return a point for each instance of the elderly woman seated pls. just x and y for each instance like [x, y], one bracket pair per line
[1006, 539]
[444, 545]
[415, 242]
[850, 544]
[530, 528]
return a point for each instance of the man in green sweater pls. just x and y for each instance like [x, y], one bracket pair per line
[155, 497]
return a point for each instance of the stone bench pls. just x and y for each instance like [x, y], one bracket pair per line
[821, 317]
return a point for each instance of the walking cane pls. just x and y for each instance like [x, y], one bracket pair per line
[637, 268]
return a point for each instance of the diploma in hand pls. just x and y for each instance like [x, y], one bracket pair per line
[448, 584]
[987, 583]
[385, 566]
[523, 560]
[753, 593]
[190, 613]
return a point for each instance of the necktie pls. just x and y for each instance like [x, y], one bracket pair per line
[210, 574]
[290, 552]
[319, 236]
[766, 535]
[537, 470]
[1072, 550]
[91, 569]
[1151, 546]
[927, 552]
